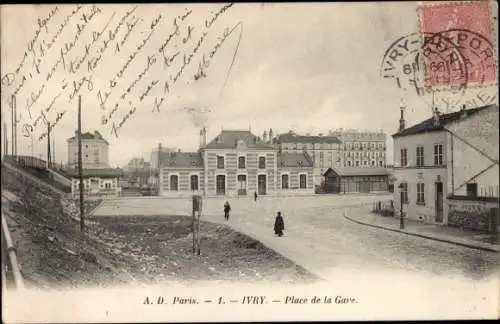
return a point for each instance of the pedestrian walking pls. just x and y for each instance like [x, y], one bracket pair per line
[227, 209]
[255, 196]
[279, 225]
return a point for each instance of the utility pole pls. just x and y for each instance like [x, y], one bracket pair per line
[48, 146]
[6, 141]
[12, 122]
[14, 139]
[159, 169]
[80, 170]
[53, 161]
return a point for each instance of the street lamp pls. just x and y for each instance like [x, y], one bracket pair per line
[401, 220]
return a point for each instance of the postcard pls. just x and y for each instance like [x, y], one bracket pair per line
[211, 162]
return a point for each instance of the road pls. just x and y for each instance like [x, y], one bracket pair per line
[322, 240]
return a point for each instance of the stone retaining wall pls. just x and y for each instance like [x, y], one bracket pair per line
[470, 213]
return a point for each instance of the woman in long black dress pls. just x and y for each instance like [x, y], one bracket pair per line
[279, 225]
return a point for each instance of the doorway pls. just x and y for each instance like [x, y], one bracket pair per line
[220, 185]
[242, 185]
[261, 184]
[439, 202]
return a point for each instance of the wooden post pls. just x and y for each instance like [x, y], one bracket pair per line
[193, 228]
[198, 233]
[80, 169]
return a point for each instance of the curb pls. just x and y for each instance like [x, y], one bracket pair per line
[483, 248]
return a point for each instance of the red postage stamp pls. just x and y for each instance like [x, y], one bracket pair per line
[468, 28]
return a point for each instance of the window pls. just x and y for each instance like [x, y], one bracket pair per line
[404, 157]
[220, 162]
[174, 182]
[438, 154]
[373, 162]
[472, 189]
[420, 193]
[107, 185]
[349, 163]
[404, 193]
[380, 163]
[262, 162]
[303, 181]
[365, 163]
[194, 182]
[284, 181]
[420, 156]
[241, 162]
[357, 163]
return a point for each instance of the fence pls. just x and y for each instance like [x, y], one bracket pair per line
[10, 256]
[384, 208]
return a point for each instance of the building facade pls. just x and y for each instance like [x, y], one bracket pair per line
[324, 151]
[362, 149]
[473, 170]
[100, 180]
[423, 165]
[344, 161]
[94, 151]
[235, 163]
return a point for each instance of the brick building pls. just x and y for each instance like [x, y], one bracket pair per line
[235, 163]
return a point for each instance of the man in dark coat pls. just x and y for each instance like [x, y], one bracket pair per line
[255, 196]
[279, 225]
[227, 209]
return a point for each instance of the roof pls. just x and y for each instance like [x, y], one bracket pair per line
[346, 172]
[92, 136]
[444, 119]
[291, 137]
[228, 139]
[104, 172]
[286, 159]
[182, 160]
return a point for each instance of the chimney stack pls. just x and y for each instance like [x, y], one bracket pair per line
[402, 119]
[270, 135]
[264, 136]
[436, 117]
[203, 137]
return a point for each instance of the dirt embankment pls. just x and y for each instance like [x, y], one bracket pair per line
[53, 252]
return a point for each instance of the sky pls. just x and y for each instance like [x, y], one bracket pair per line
[308, 67]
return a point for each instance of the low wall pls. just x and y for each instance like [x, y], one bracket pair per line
[54, 175]
[472, 212]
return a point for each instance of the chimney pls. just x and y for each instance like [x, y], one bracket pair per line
[402, 119]
[264, 136]
[203, 137]
[270, 135]
[436, 117]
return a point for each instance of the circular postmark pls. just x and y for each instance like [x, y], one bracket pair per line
[425, 63]
[449, 64]
[479, 56]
